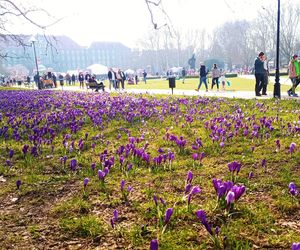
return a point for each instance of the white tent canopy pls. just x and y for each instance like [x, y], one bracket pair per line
[98, 69]
[129, 71]
[176, 69]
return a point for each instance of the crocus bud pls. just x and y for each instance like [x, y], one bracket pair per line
[18, 183]
[154, 245]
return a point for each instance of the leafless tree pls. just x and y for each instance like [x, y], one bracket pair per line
[13, 11]
[266, 28]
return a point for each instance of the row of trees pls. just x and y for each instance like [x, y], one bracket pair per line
[235, 43]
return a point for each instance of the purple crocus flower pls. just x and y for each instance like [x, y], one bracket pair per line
[116, 215]
[263, 163]
[101, 175]
[8, 163]
[238, 191]
[189, 177]
[202, 217]
[25, 149]
[278, 144]
[252, 149]
[293, 189]
[122, 160]
[168, 215]
[201, 156]
[129, 167]
[106, 171]
[154, 245]
[11, 153]
[122, 184]
[160, 150]
[195, 156]
[85, 182]
[296, 246]
[155, 200]
[93, 166]
[162, 201]
[250, 175]
[73, 164]
[222, 144]
[18, 183]
[292, 147]
[217, 230]
[188, 188]
[34, 151]
[195, 190]
[129, 188]
[230, 197]
[234, 167]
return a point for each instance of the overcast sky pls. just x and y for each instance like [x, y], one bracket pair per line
[127, 21]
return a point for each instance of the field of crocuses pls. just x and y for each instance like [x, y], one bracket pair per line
[85, 171]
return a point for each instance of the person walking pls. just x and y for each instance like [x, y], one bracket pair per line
[294, 75]
[112, 78]
[87, 78]
[145, 76]
[183, 74]
[81, 80]
[73, 78]
[202, 77]
[222, 79]
[123, 78]
[61, 81]
[68, 78]
[215, 74]
[259, 73]
[54, 80]
[266, 76]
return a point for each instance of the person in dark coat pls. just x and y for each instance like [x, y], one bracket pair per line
[122, 79]
[81, 80]
[112, 79]
[202, 77]
[183, 74]
[73, 79]
[145, 76]
[259, 73]
[54, 80]
[61, 80]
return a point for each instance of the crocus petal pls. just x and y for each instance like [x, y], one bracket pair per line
[154, 245]
[168, 215]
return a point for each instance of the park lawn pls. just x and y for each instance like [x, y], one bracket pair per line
[52, 209]
[236, 84]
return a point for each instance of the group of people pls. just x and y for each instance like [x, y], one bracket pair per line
[262, 74]
[217, 75]
[117, 78]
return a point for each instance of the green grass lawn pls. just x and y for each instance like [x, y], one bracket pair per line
[237, 84]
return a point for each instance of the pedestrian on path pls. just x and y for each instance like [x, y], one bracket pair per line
[259, 73]
[294, 75]
[215, 76]
[202, 77]
[266, 75]
[183, 74]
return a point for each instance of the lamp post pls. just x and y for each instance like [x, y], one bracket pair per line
[277, 83]
[33, 40]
